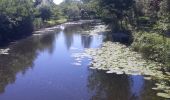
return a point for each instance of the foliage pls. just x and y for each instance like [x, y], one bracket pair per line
[71, 9]
[20, 17]
[38, 23]
[14, 16]
[45, 12]
[53, 22]
[153, 46]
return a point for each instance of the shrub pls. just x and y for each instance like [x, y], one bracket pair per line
[153, 46]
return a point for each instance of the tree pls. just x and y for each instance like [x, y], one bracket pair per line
[117, 11]
[45, 12]
[71, 8]
[16, 16]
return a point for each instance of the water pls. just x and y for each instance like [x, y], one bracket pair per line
[40, 67]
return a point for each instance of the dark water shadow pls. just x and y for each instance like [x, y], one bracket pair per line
[103, 86]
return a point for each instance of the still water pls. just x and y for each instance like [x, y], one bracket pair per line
[40, 67]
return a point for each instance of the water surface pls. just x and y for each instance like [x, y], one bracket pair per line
[40, 67]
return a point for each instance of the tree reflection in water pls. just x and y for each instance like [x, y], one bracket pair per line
[86, 41]
[103, 86]
[73, 31]
[22, 56]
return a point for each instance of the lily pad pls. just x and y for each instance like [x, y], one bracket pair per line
[164, 95]
[147, 78]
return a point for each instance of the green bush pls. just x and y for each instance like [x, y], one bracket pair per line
[15, 18]
[153, 46]
[38, 23]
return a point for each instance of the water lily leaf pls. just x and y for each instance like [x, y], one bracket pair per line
[164, 95]
[110, 72]
[147, 78]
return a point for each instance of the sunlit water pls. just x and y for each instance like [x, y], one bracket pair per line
[41, 68]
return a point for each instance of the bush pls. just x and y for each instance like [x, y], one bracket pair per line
[38, 23]
[153, 46]
[15, 19]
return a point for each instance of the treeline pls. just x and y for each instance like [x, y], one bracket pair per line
[19, 18]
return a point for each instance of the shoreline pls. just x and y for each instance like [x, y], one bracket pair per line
[43, 30]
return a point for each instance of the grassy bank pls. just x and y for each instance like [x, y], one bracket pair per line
[153, 46]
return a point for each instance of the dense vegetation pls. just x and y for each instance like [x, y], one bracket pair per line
[19, 18]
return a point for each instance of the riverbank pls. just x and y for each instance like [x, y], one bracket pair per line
[23, 34]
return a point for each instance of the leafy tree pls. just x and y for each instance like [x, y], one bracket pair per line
[45, 12]
[71, 8]
[118, 11]
[16, 16]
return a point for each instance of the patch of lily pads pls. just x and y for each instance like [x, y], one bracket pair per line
[97, 29]
[163, 88]
[120, 59]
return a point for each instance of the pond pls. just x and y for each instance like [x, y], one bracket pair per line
[41, 67]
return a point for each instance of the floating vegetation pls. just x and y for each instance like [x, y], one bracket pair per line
[120, 59]
[164, 88]
[97, 29]
[164, 95]
[147, 78]
[4, 51]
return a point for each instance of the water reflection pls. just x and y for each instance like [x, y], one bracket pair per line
[72, 33]
[23, 54]
[104, 86]
[86, 41]
[108, 87]
[22, 57]
[53, 77]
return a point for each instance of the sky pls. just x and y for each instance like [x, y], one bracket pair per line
[57, 1]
